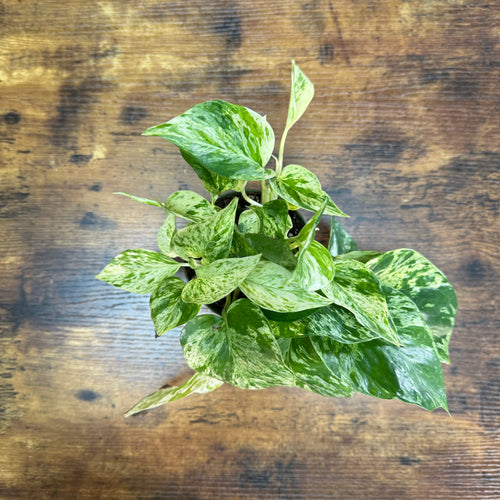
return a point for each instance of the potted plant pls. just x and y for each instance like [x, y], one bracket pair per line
[291, 311]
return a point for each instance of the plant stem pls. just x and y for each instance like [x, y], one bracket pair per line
[279, 165]
[247, 198]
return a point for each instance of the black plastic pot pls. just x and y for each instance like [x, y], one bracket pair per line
[297, 224]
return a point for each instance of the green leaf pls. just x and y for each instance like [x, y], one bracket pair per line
[315, 268]
[356, 288]
[420, 280]
[239, 348]
[229, 140]
[209, 239]
[271, 219]
[332, 321]
[138, 270]
[272, 249]
[153, 203]
[361, 255]
[198, 383]
[168, 309]
[411, 372]
[301, 94]
[165, 235]
[268, 286]
[190, 205]
[310, 370]
[218, 279]
[215, 184]
[340, 240]
[300, 187]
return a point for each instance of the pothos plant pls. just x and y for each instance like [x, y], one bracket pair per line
[331, 319]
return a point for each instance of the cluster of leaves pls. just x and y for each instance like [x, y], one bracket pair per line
[333, 320]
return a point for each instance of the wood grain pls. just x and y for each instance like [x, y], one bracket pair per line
[403, 132]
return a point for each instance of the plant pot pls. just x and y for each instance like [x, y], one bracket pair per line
[298, 223]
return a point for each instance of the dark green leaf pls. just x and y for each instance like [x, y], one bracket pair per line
[138, 270]
[407, 270]
[361, 255]
[340, 240]
[271, 219]
[300, 187]
[209, 239]
[310, 370]
[215, 184]
[168, 310]
[229, 140]
[272, 249]
[190, 205]
[268, 286]
[198, 383]
[239, 349]
[411, 372]
[218, 279]
[357, 289]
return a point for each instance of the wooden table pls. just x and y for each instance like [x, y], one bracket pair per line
[403, 132]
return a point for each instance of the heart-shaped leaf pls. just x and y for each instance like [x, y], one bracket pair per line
[357, 289]
[300, 187]
[209, 239]
[198, 383]
[168, 309]
[230, 140]
[419, 279]
[301, 94]
[138, 270]
[411, 372]
[218, 279]
[189, 205]
[268, 285]
[239, 349]
[165, 235]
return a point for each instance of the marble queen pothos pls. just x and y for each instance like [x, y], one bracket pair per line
[330, 319]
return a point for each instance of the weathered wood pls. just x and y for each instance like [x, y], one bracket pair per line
[403, 132]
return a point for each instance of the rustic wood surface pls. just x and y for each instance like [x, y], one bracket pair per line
[404, 134]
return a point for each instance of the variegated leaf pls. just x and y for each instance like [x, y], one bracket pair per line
[230, 140]
[268, 285]
[189, 205]
[168, 309]
[310, 370]
[209, 239]
[165, 235]
[409, 271]
[198, 383]
[356, 288]
[146, 201]
[340, 240]
[315, 268]
[239, 349]
[300, 187]
[138, 270]
[301, 94]
[411, 372]
[218, 279]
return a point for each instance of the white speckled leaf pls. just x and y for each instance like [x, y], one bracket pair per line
[138, 270]
[315, 269]
[209, 239]
[301, 94]
[198, 383]
[168, 309]
[239, 349]
[139, 199]
[409, 271]
[300, 187]
[411, 372]
[268, 286]
[229, 140]
[165, 235]
[357, 289]
[218, 279]
[189, 205]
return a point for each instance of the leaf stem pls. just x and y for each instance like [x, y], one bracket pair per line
[247, 198]
[279, 165]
